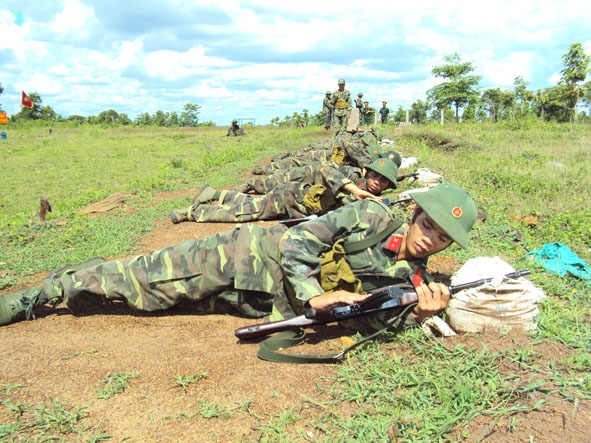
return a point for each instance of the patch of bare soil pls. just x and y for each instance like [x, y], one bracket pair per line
[65, 358]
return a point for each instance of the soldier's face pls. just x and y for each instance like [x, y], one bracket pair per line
[376, 183]
[424, 238]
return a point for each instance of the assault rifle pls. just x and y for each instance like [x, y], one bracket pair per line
[381, 299]
[405, 176]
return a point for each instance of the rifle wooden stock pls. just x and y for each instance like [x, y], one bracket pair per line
[382, 299]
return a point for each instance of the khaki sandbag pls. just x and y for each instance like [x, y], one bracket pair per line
[500, 306]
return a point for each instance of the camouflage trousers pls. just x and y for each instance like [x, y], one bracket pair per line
[285, 201]
[302, 159]
[197, 275]
[340, 123]
[302, 174]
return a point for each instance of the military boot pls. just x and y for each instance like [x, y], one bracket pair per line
[206, 194]
[182, 215]
[257, 170]
[22, 303]
[244, 189]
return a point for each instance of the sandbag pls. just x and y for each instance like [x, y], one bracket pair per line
[500, 306]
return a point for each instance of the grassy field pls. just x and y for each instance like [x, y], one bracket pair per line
[532, 182]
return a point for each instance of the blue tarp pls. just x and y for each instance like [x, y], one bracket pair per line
[558, 259]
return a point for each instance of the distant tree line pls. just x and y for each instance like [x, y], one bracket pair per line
[189, 117]
[459, 97]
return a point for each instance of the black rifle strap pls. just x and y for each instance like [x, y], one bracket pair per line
[270, 347]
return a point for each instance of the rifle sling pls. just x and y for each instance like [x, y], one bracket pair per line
[269, 348]
[367, 242]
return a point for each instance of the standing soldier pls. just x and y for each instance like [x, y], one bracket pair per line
[359, 106]
[384, 113]
[328, 109]
[367, 114]
[341, 99]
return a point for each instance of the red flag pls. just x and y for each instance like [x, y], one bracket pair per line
[26, 101]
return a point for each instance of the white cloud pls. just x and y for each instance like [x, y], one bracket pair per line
[269, 59]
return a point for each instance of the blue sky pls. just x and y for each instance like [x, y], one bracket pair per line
[263, 59]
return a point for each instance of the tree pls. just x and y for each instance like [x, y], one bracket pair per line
[1, 91]
[541, 98]
[109, 117]
[124, 119]
[461, 88]
[48, 114]
[143, 119]
[190, 115]
[586, 97]
[159, 118]
[418, 112]
[79, 119]
[33, 113]
[576, 64]
[523, 96]
[492, 102]
[400, 115]
[559, 104]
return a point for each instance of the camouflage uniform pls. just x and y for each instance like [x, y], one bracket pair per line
[250, 269]
[359, 105]
[312, 173]
[368, 113]
[328, 109]
[234, 129]
[348, 151]
[285, 201]
[342, 109]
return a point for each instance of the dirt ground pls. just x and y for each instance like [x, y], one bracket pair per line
[63, 357]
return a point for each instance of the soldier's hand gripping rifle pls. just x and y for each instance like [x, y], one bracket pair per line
[381, 299]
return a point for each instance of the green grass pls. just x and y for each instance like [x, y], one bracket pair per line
[531, 180]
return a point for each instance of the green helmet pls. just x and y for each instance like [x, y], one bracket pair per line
[386, 168]
[328, 92]
[375, 151]
[234, 121]
[394, 156]
[451, 207]
[360, 94]
[341, 81]
[368, 138]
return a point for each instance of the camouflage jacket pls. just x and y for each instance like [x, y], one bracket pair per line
[302, 247]
[342, 102]
[327, 173]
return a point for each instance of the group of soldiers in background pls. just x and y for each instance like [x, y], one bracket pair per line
[338, 107]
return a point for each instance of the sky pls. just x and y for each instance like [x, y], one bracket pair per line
[262, 59]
